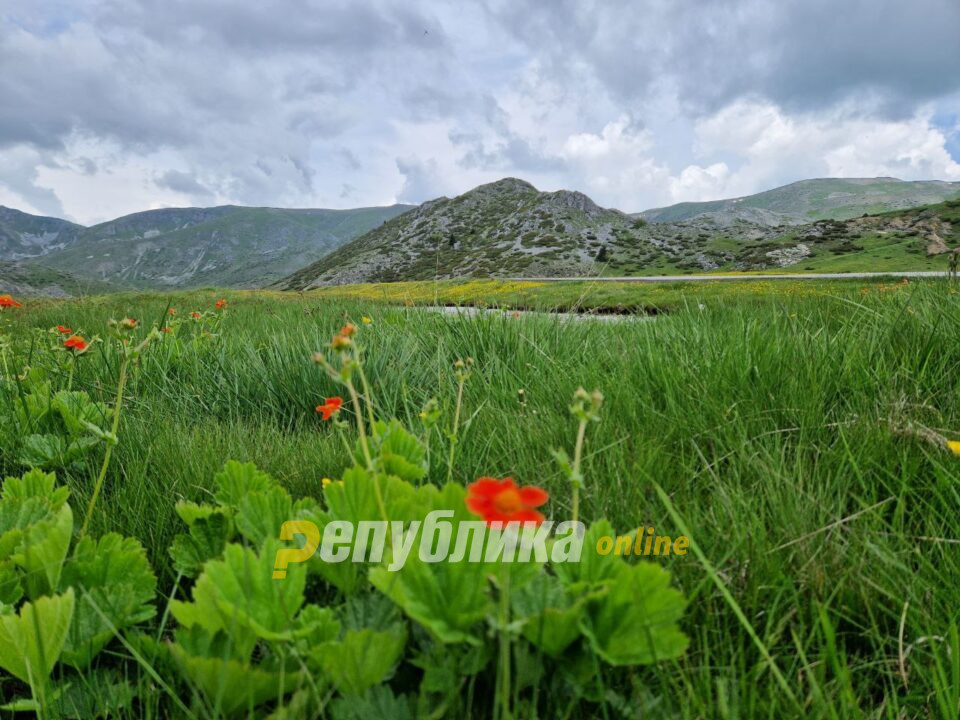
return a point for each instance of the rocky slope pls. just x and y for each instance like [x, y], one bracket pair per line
[509, 229]
[29, 278]
[25, 236]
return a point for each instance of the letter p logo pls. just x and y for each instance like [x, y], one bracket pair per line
[285, 556]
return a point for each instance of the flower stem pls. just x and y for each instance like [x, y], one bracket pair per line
[505, 643]
[117, 408]
[456, 426]
[358, 411]
[577, 456]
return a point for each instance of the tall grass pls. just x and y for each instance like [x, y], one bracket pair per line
[788, 435]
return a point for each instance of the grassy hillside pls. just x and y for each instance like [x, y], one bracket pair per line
[224, 246]
[33, 279]
[798, 438]
[819, 199]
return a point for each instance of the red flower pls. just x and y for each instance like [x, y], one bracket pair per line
[75, 342]
[63, 330]
[330, 407]
[348, 330]
[8, 301]
[220, 304]
[502, 501]
[195, 315]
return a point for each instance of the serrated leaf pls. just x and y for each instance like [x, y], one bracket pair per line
[205, 540]
[31, 641]
[41, 551]
[593, 569]
[240, 590]
[362, 659]
[261, 514]
[237, 479]
[115, 587]
[635, 623]
[377, 702]
[397, 452]
[233, 687]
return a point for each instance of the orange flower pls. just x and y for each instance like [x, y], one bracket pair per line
[195, 315]
[220, 304]
[128, 323]
[502, 501]
[348, 330]
[165, 330]
[172, 311]
[63, 330]
[330, 407]
[75, 342]
[8, 301]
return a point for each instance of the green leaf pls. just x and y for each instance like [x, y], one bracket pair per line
[237, 479]
[240, 590]
[635, 623]
[41, 551]
[551, 616]
[593, 568]
[116, 587]
[362, 659]
[233, 687]
[77, 411]
[190, 512]
[11, 590]
[206, 540]
[446, 598]
[31, 641]
[397, 452]
[95, 694]
[260, 514]
[377, 702]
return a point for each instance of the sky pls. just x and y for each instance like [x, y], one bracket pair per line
[109, 107]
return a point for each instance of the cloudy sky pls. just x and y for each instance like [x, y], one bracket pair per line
[112, 106]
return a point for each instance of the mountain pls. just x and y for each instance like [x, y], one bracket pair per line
[509, 229]
[29, 278]
[810, 200]
[225, 246]
[503, 228]
[28, 236]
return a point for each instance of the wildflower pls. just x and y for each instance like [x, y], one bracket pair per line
[76, 343]
[366, 319]
[172, 311]
[341, 341]
[330, 407]
[326, 482]
[502, 501]
[166, 330]
[125, 324]
[195, 315]
[63, 330]
[220, 304]
[954, 446]
[6, 301]
[348, 330]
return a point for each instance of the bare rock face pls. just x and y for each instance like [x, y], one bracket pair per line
[784, 257]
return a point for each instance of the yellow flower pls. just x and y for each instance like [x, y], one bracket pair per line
[954, 446]
[366, 320]
[326, 482]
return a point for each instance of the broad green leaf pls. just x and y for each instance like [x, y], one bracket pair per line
[41, 551]
[237, 479]
[397, 452]
[205, 540]
[593, 568]
[362, 659]
[551, 616]
[635, 623]
[234, 688]
[31, 641]
[448, 599]
[190, 512]
[11, 590]
[35, 484]
[77, 410]
[240, 590]
[261, 514]
[115, 588]
[377, 702]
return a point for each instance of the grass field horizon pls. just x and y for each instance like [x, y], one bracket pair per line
[795, 428]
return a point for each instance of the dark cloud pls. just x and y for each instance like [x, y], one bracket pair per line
[183, 183]
[799, 53]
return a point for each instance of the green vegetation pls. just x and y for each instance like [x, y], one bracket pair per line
[797, 432]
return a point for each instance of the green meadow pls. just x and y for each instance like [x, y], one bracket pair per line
[796, 432]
